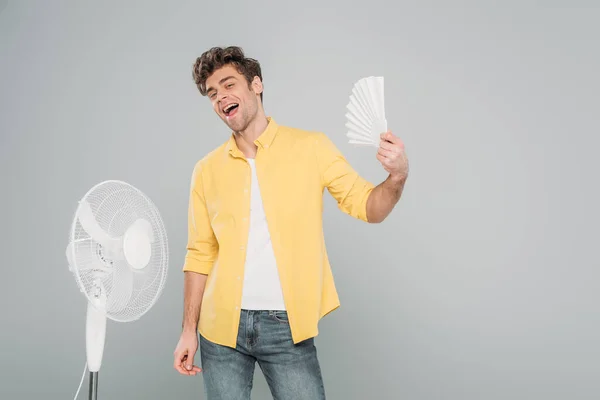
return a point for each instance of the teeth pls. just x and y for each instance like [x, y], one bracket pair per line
[226, 109]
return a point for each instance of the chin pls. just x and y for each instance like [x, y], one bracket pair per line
[239, 123]
[235, 126]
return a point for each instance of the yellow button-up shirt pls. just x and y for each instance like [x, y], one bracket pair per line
[294, 167]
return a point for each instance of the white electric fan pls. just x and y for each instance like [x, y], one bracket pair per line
[365, 116]
[118, 253]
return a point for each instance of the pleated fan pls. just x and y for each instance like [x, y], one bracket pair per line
[365, 116]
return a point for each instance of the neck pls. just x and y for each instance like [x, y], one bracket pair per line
[245, 138]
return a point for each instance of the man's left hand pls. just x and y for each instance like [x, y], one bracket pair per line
[392, 156]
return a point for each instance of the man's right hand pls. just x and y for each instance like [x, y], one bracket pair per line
[184, 354]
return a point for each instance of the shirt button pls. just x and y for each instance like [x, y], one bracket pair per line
[245, 218]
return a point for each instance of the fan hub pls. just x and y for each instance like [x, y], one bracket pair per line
[137, 246]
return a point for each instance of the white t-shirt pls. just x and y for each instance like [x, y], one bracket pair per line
[262, 287]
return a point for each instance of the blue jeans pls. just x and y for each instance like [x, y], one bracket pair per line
[291, 370]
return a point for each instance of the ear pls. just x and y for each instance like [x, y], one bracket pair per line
[257, 85]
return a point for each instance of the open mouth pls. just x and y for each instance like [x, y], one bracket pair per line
[231, 109]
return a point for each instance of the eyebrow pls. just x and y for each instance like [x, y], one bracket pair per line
[220, 82]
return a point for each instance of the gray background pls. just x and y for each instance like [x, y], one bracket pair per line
[482, 284]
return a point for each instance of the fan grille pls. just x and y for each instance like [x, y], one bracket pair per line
[100, 270]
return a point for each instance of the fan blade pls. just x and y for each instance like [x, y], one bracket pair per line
[354, 119]
[91, 226]
[365, 133]
[363, 102]
[379, 127]
[366, 97]
[359, 93]
[372, 93]
[357, 109]
[362, 144]
[70, 252]
[122, 288]
[376, 95]
[355, 136]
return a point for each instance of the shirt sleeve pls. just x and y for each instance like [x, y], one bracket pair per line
[202, 245]
[349, 189]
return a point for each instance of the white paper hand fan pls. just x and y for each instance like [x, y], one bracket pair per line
[365, 116]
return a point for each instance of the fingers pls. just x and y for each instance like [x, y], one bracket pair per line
[383, 160]
[391, 140]
[395, 147]
[388, 136]
[184, 364]
[195, 370]
[386, 145]
[391, 154]
[386, 153]
[189, 366]
[180, 357]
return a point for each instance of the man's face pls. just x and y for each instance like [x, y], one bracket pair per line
[233, 101]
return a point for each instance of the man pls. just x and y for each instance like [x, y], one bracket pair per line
[257, 276]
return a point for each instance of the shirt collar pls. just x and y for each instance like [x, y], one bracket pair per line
[264, 140]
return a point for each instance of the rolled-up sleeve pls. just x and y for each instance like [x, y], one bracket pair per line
[202, 245]
[347, 187]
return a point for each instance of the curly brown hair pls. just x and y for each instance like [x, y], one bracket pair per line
[218, 57]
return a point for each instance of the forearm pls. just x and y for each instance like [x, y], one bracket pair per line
[384, 197]
[194, 284]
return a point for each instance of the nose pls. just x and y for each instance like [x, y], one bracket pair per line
[221, 96]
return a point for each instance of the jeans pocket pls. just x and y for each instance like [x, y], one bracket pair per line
[280, 316]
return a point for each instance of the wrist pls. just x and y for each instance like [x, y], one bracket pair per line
[189, 330]
[397, 179]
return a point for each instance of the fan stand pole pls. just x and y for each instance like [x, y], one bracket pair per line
[93, 385]
[95, 331]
